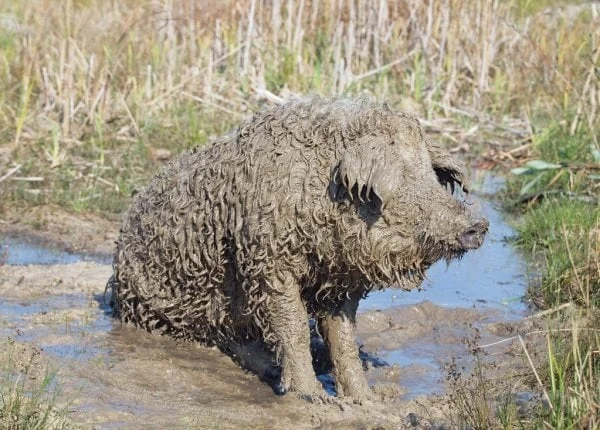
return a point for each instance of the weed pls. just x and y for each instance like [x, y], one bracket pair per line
[560, 226]
[27, 394]
[478, 400]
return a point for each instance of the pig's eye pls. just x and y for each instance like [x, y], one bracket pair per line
[450, 179]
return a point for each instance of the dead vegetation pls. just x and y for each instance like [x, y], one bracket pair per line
[92, 91]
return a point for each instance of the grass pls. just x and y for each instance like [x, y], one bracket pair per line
[566, 164]
[564, 235]
[27, 393]
[560, 228]
[574, 375]
[560, 210]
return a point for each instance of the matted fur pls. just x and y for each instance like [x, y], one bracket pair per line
[339, 195]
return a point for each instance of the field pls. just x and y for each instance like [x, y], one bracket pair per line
[95, 96]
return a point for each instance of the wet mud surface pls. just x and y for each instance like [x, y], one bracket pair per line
[114, 376]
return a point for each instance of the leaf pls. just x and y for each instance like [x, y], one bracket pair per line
[520, 170]
[530, 184]
[542, 165]
[534, 166]
[594, 177]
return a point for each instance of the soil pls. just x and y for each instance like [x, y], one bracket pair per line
[115, 376]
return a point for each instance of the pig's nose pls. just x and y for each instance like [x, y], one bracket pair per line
[472, 237]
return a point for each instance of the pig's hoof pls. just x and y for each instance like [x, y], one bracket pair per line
[360, 400]
[279, 389]
[385, 392]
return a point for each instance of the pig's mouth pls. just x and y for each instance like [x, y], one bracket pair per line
[404, 279]
[472, 237]
[433, 251]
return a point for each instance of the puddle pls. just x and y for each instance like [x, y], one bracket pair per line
[422, 373]
[25, 250]
[118, 374]
[63, 326]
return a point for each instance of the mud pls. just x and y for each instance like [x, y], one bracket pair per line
[54, 229]
[118, 376]
[114, 376]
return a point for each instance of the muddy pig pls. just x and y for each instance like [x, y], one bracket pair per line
[297, 214]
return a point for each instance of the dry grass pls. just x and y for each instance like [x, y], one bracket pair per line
[89, 90]
[74, 67]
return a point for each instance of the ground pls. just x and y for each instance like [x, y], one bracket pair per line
[112, 375]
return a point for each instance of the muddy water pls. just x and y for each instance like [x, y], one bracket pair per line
[116, 376]
[20, 249]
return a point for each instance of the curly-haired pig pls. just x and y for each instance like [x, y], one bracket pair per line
[297, 214]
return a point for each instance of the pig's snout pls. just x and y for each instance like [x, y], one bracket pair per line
[472, 238]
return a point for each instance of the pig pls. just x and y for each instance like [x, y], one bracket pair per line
[297, 214]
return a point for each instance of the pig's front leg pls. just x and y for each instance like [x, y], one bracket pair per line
[289, 322]
[338, 331]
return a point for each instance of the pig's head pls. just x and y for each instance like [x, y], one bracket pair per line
[399, 212]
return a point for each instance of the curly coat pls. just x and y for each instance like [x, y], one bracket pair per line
[310, 205]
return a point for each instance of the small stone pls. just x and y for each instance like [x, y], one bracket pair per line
[413, 419]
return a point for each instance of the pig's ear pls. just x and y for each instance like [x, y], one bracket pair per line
[448, 170]
[362, 173]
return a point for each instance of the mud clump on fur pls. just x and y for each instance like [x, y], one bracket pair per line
[298, 214]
